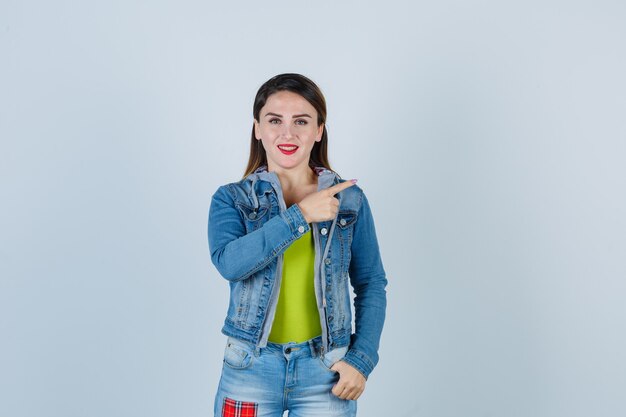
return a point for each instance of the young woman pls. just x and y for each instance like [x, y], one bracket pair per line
[289, 238]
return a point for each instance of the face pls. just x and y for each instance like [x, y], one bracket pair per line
[288, 128]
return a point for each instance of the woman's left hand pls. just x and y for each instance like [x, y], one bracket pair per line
[351, 382]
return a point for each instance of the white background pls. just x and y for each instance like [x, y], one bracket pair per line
[489, 137]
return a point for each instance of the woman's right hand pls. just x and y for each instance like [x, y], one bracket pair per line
[322, 205]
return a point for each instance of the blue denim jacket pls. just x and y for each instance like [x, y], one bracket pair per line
[249, 229]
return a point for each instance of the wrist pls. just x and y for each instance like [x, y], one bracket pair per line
[304, 214]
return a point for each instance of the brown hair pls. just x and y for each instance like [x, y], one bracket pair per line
[306, 88]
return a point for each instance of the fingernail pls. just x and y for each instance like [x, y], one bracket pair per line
[354, 181]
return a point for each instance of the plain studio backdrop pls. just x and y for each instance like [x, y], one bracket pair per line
[489, 137]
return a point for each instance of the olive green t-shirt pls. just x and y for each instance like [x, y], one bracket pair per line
[297, 318]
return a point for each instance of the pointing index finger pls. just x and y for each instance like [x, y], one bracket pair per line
[341, 186]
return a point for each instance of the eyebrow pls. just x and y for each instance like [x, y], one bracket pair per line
[280, 115]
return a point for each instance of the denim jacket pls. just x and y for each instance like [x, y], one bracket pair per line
[250, 227]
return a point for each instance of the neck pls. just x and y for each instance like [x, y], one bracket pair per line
[296, 177]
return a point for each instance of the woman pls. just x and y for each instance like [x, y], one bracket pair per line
[290, 237]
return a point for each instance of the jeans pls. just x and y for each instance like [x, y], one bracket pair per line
[264, 382]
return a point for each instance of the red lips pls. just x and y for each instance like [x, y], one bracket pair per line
[291, 152]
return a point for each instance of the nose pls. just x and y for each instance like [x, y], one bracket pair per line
[287, 130]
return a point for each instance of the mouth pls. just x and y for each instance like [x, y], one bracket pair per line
[288, 149]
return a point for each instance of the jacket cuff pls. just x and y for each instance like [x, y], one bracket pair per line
[360, 361]
[295, 219]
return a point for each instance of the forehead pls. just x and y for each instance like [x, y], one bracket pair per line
[286, 103]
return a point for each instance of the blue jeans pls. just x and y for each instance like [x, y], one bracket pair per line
[264, 382]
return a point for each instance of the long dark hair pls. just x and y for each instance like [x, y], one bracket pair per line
[306, 88]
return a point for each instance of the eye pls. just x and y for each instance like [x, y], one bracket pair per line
[301, 122]
[274, 120]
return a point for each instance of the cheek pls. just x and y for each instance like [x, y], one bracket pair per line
[267, 144]
[310, 132]
[271, 130]
[266, 134]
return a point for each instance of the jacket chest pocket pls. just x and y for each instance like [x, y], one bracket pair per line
[345, 224]
[253, 217]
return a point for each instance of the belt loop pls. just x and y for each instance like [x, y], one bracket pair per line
[318, 348]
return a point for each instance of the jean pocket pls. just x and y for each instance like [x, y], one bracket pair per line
[332, 357]
[238, 354]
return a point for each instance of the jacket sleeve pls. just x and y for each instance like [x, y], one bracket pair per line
[368, 280]
[238, 255]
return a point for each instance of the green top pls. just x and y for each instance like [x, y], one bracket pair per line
[297, 318]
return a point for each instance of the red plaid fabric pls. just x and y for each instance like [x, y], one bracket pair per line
[232, 408]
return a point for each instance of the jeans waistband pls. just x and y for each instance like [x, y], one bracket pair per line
[311, 347]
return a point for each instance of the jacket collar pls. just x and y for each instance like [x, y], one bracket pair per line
[326, 178]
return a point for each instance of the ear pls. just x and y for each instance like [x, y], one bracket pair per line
[320, 130]
[256, 129]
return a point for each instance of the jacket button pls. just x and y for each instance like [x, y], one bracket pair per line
[327, 261]
[342, 222]
[323, 231]
[301, 229]
[288, 350]
[252, 215]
